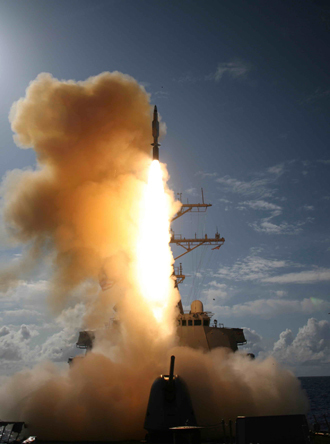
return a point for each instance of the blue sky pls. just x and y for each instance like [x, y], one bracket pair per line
[244, 90]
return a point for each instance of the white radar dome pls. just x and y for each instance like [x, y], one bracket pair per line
[196, 307]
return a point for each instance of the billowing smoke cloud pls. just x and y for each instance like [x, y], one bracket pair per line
[231, 384]
[92, 142]
[101, 399]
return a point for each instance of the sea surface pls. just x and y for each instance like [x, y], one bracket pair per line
[318, 392]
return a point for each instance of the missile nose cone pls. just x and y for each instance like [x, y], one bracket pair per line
[155, 113]
[155, 134]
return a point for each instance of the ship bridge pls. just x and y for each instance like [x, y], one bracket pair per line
[194, 330]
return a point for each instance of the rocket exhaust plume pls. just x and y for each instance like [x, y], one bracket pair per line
[96, 206]
[154, 258]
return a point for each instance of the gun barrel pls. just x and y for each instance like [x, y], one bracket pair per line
[172, 369]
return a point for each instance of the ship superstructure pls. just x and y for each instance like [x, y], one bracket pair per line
[194, 327]
[195, 330]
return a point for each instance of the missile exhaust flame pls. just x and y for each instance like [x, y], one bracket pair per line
[154, 258]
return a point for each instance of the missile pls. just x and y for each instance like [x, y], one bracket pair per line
[155, 135]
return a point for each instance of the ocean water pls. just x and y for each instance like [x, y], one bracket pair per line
[318, 392]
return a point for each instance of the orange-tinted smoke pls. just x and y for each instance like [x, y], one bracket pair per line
[92, 144]
[100, 398]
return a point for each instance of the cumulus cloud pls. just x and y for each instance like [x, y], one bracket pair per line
[13, 272]
[10, 350]
[14, 344]
[258, 187]
[278, 169]
[236, 69]
[17, 316]
[205, 174]
[24, 333]
[303, 277]
[254, 341]
[268, 226]
[57, 340]
[4, 331]
[286, 339]
[29, 292]
[214, 292]
[270, 308]
[72, 317]
[251, 268]
[265, 226]
[280, 293]
[161, 94]
[60, 346]
[311, 345]
[191, 191]
[260, 205]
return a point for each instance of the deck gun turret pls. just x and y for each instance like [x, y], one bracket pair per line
[169, 409]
